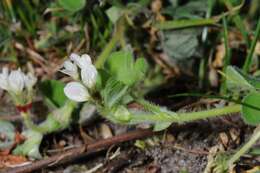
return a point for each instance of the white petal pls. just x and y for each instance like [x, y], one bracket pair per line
[76, 92]
[82, 61]
[89, 75]
[16, 81]
[30, 80]
[70, 69]
[86, 58]
[4, 79]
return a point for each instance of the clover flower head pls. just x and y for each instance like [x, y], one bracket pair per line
[16, 81]
[79, 91]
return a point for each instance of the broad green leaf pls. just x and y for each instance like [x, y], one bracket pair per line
[121, 65]
[53, 92]
[72, 5]
[181, 44]
[235, 80]
[251, 114]
[161, 126]
[113, 92]
[114, 13]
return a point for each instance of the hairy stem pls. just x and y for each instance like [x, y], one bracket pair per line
[29, 123]
[185, 117]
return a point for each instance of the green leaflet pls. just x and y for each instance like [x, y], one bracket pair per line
[161, 126]
[236, 80]
[72, 5]
[251, 115]
[122, 66]
[113, 92]
[53, 92]
[114, 13]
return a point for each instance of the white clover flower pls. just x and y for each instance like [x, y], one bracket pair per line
[16, 81]
[76, 92]
[29, 81]
[82, 61]
[88, 71]
[89, 75]
[4, 79]
[70, 69]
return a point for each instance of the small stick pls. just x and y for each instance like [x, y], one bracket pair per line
[80, 151]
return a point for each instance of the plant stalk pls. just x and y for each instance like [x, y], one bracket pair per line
[186, 117]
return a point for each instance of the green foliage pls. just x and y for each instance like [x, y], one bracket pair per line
[31, 146]
[53, 92]
[161, 126]
[251, 115]
[122, 114]
[72, 5]
[121, 65]
[114, 13]
[236, 81]
[181, 44]
[113, 92]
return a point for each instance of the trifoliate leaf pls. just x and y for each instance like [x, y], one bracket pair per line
[121, 65]
[251, 114]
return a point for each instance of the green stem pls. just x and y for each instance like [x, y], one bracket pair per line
[29, 123]
[246, 147]
[186, 117]
[227, 55]
[178, 24]
[249, 57]
[119, 31]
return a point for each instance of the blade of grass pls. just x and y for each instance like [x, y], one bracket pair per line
[10, 9]
[227, 58]
[238, 22]
[178, 24]
[249, 57]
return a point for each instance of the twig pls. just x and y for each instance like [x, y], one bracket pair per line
[80, 151]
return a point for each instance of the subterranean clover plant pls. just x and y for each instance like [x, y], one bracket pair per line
[20, 87]
[112, 88]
